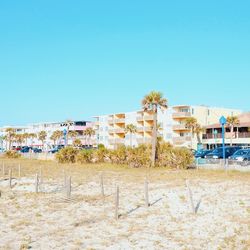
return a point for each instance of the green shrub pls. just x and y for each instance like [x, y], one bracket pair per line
[67, 155]
[85, 156]
[12, 154]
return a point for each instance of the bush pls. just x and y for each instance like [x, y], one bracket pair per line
[85, 156]
[139, 157]
[173, 157]
[12, 154]
[67, 155]
[101, 155]
[119, 155]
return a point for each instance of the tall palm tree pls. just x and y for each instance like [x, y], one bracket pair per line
[131, 129]
[232, 121]
[191, 123]
[42, 135]
[196, 129]
[26, 137]
[89, 132]
[19, 139]
[32, 136]
[9, 136]
[152, 102]
[58, 135]
[68, 124]
[72, 134]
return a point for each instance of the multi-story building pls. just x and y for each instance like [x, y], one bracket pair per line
[240, 136]
[110, 129]
[204, 115]
[49, 128]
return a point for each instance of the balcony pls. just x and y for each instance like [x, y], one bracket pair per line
[148, 118]
[117, 141]
[180, 127]
[181, 115]
[117, 131]
[119, 120]
[148, 129]
[144, 140]
[140, 129]
[139, 118]
[181, 140]
[242, 135]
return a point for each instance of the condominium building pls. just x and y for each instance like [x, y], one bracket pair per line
[49, 128]
[110, 129]
[204, 115]
[240, 137]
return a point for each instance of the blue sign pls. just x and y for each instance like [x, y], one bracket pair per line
[223, 120]
[64, 132]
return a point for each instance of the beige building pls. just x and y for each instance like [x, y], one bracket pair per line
[205, 116]
[110, 129]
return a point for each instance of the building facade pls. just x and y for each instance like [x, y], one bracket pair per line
[110, 129]
[204, 115]
[111, 132]
[50, 128]
[240, 136]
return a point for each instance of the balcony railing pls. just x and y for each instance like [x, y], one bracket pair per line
[139, 118]
[227, 135]
[180, 127]
[181, 139]
[117, 141]
[144, 140]
[181, 114]
[117, 130]
[119, 120]
[148, 117]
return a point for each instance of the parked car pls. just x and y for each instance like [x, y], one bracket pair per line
[55, 149]
[202, 153]
[2, 150]
[25, 149]
[37, 150]
[242, 155]
[218, 152]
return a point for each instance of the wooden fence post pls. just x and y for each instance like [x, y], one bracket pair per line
[10, 178]
[68, 189]
[146, 192]
[64, 179]
[19, 170]
[190, 197]
[117, 203]
[41, 175]
[102, 185]
[3, 169]
[36, 183]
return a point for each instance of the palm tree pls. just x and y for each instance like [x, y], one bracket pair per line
[68, 124]
[190, 123]
[26, 137]
[232, 121]
[77, 143]
[72, 134]
[32, 136]
[57, 135]
[19, 139]
[42, 135]
[89, 132]
[10, 135]
[152, 102]
[131, 129]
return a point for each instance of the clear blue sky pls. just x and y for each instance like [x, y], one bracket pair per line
[74, 59]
